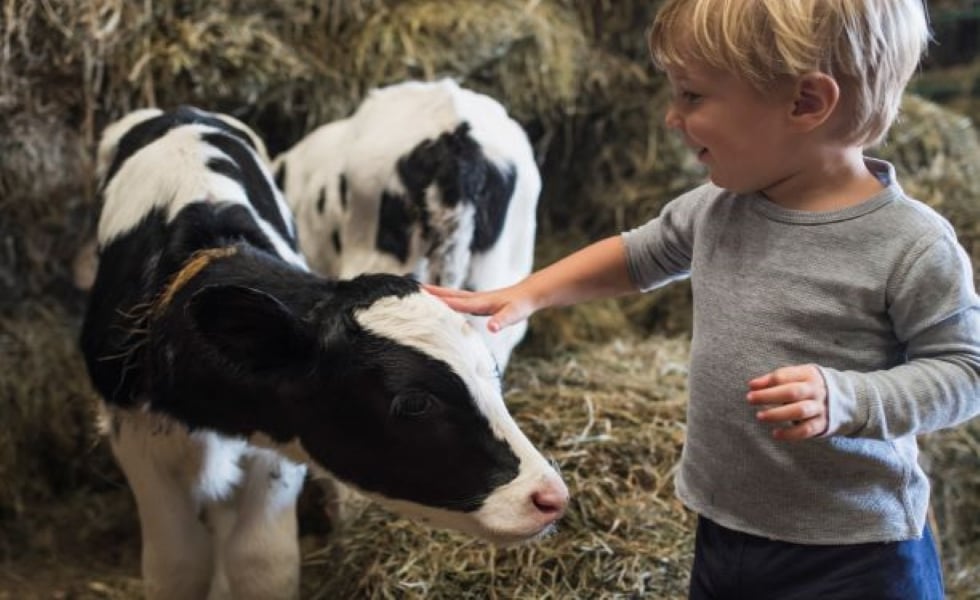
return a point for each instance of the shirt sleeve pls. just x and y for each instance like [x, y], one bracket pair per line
[661, 250]
[935, 313]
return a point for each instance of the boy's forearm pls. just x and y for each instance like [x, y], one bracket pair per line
[596, 271]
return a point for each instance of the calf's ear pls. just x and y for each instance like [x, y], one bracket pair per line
[251, 328]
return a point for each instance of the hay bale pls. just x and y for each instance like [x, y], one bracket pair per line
[952, 459]
[46, 211]
[50, 447]
[289, 65]
[935, 152]
[956, 87]
[531, 55]
[617, 27]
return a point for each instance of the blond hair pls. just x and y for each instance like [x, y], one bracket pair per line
[870, 47]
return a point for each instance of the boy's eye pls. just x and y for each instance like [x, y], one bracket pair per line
[689, 97]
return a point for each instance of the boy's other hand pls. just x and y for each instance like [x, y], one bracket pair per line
[800, 398]
[504, 306]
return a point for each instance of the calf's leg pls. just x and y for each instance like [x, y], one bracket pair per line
[260, 555]
[176, 554]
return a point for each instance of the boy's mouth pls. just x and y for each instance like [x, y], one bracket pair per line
[700, 152]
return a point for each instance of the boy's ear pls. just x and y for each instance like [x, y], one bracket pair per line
[815, 97]
[251, 328]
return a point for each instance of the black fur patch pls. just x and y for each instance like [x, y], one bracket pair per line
[444, 456]
[146, 132]
[112, 337]
[457, 165]
[280, 176]
[321, 201]
[244, 169]
[343, 191]
[492, 201]
[133, 269]
[396, 217]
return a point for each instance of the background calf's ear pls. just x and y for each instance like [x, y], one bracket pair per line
[252, 328]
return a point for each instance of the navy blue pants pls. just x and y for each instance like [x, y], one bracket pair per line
[735, 565]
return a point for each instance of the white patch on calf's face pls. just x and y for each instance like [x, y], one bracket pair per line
[509, 516]
[424, 322]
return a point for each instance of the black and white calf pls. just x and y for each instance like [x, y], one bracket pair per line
[227, 368]
[427, 179]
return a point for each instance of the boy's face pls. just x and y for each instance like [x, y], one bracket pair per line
[742, 136]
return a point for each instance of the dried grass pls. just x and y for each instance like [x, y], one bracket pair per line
[936, 153]
[49, 443]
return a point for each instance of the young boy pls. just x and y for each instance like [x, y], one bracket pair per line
[835, 318]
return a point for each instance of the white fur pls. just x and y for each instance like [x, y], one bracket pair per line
[217, 515]
[172, 173]
[366, 147]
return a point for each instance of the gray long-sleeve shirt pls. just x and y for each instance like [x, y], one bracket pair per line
[879, 295]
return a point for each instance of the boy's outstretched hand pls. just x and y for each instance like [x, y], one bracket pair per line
[504, 306]
[801, 396]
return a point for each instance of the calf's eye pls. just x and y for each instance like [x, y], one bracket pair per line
[411, 404]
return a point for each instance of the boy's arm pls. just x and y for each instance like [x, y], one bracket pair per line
[939, 386]
[936, 313]
[596, 271]
[649, 256]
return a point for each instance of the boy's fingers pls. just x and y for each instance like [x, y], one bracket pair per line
[794, 373]
[798, 411]
[444, 292]
[506, 317]
[470, 305]
[798, 393]
[761, 382]
[785, 375]
[484, 304]
[788, 392]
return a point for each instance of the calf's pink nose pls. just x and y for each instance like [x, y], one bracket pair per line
[551, 499]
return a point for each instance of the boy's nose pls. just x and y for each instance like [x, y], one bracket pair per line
[671, 119]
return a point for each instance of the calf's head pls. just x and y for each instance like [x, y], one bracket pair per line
[389, 390]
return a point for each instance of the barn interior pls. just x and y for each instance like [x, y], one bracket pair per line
[601, 387]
